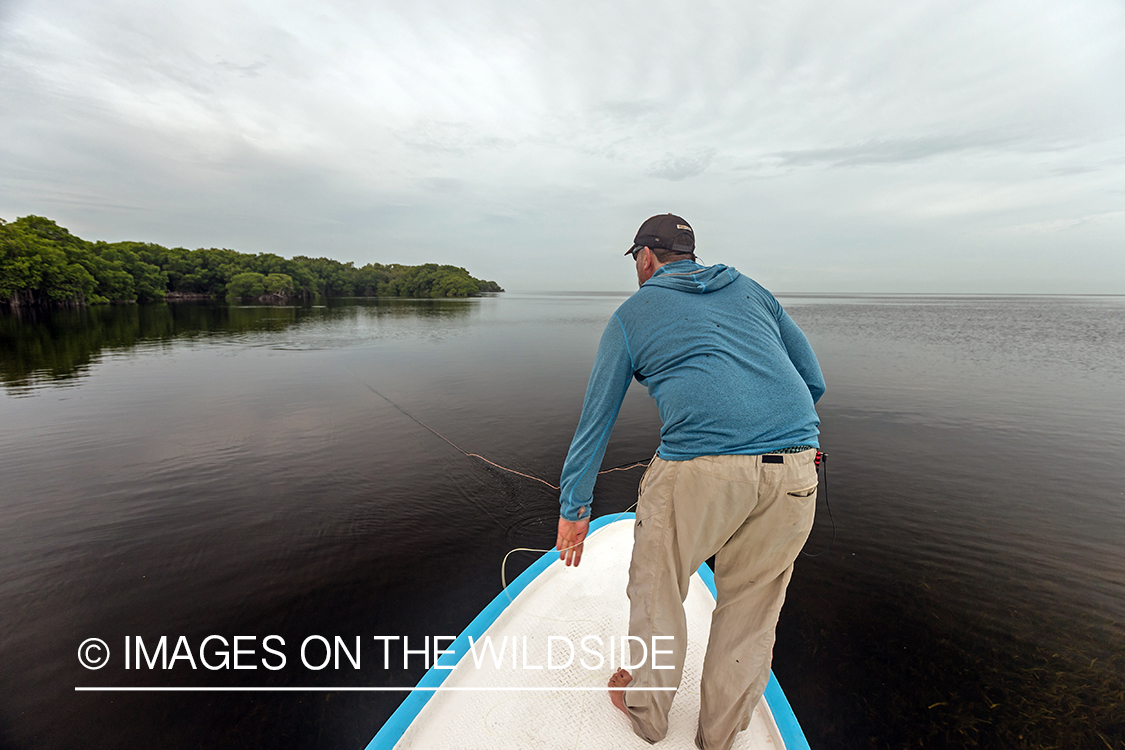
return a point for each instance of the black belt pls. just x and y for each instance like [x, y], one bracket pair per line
[778, 457]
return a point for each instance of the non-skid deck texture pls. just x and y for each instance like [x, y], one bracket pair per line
[574, 603]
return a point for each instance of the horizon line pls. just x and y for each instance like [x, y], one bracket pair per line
[836, 294]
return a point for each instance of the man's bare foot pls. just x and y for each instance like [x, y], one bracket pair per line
[620, 679]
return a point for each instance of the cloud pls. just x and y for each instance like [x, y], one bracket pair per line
[433, 128]
[252, 70]
[682, 167]
[893, 150]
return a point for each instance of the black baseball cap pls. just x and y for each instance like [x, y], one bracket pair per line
[666, 231]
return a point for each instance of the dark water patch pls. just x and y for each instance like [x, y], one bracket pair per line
[894, 667]
[211, 470]
[51, 347]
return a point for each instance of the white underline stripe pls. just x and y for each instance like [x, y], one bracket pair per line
[352, 689]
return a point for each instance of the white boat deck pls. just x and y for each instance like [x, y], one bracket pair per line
[573, 603]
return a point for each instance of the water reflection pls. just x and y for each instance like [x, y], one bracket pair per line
[41, 347]
[216, 469]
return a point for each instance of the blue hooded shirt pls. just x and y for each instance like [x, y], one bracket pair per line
[730, 371]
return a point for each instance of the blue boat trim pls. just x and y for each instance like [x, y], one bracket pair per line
[392, 731]
[791, 733]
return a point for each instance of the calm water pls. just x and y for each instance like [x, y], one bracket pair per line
[196, 470]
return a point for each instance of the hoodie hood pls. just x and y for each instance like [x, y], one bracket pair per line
[689, 276]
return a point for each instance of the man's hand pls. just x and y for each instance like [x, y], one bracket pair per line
[571, 536]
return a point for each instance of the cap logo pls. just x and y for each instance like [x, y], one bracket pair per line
[681, 226]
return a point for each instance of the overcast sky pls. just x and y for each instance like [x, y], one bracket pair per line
[865, 147]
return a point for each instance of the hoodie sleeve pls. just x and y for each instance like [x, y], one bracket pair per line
[609, 380]
[801, 354]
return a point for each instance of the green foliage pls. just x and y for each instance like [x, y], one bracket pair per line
[248, 284]
[148, 281]
[279, 283]
[42, 263]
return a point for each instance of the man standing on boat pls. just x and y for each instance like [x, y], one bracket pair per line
[735, 381]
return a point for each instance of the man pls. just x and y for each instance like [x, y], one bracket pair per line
[735, 381]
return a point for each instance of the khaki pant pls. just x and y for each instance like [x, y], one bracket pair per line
[754, 517]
